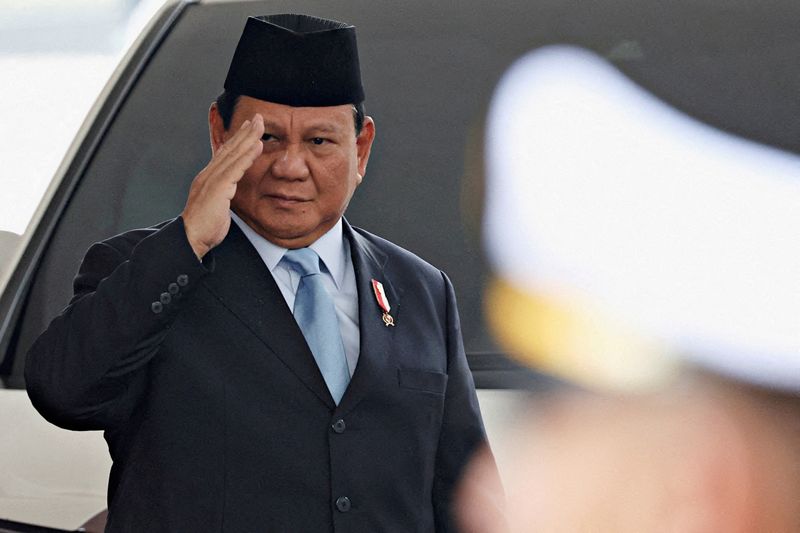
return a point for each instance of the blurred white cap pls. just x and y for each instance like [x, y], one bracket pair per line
[626, 237]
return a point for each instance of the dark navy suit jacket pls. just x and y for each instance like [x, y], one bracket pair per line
[216, 415]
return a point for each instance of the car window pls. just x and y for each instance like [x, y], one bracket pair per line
[429, 71]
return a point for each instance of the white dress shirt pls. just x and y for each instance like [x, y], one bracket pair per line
[337, 273]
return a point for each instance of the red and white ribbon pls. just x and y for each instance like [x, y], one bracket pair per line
[383, 302]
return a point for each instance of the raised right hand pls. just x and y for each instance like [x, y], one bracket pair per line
[206, 215]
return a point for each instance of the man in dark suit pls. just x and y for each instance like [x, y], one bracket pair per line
[222, 410]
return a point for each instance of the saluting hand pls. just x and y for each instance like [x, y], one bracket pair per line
[206, 215]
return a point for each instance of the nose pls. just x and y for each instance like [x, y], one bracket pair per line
[291, 164]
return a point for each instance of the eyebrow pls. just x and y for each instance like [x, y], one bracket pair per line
[270, 126]
[324, 127]
[319, 127]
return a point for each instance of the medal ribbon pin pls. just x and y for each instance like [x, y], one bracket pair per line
[383, 302]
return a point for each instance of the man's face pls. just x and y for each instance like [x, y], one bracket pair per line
[310, 165]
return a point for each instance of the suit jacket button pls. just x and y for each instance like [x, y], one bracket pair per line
[156, 307]
[165, 298]
[339, 426]
[173, 288]
[183, 280]
[343, 504]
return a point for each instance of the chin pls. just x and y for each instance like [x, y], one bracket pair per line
[288, 235]
[280, 223]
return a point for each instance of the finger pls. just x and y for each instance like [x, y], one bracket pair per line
[239, 159]
[250, 128]
[236, 167]
[221, 152]
[231, 142]
[258, 122]
[242, 142]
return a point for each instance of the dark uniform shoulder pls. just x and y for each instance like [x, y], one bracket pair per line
[103, 257]
[125, 242]
[397, 257]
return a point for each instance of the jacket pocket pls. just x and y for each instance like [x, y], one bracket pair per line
[422, 380]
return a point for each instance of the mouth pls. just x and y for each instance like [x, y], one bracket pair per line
[286, 199]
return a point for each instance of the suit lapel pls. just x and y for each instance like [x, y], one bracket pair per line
[244, 285]
[375, 336]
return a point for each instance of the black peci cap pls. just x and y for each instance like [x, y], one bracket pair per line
[297, 60]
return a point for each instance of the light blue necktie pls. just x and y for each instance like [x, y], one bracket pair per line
[316, 316]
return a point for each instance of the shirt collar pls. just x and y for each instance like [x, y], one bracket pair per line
[330, 248]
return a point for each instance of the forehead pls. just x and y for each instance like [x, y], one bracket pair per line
[340, 116]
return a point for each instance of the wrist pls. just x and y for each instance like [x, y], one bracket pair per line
[198, 247]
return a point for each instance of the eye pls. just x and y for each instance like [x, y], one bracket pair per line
[267, 137]
[318, 140]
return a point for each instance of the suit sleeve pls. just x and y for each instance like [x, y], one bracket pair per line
[85, 370]
[462, 431]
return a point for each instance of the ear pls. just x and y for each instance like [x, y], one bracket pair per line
[216, 128]
[364, 145]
